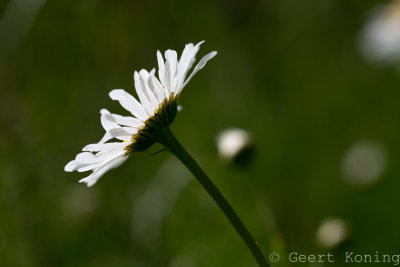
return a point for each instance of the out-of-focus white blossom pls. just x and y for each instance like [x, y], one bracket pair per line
[332, 232]
[364, 163]
[381, 36]
[231, 142]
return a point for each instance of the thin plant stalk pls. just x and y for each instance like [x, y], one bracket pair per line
[167, 139]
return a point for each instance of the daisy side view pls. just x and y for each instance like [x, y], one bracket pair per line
[149, 124]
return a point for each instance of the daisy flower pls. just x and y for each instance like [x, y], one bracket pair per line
[155, 109]
[149, 123]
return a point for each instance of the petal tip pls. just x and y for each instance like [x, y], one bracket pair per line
[70, 166]
[104, 111]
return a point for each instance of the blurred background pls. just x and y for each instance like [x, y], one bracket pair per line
[296, 120]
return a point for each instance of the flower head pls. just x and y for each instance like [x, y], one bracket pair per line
[156, 109]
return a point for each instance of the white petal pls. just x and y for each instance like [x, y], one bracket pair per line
[82, 159]
[161, 67]
[172, 58]
[187, 55]
[107, 136]
[167, 77]
[72, 166]
[105, 154]
[145, 80]
[156, 87]
[187, 58]
[94, 177]
[144, 92]
[124, 120]
[123, 133]
[198, 67]
[186, 61]
[129, 103]
[140, 90]
[104, 160]
[86, 158]
[106, 146]
[163, 91]
[106, 123]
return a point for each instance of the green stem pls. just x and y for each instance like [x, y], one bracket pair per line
[171, 143]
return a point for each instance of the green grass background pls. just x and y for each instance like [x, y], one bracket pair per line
[289, 72]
